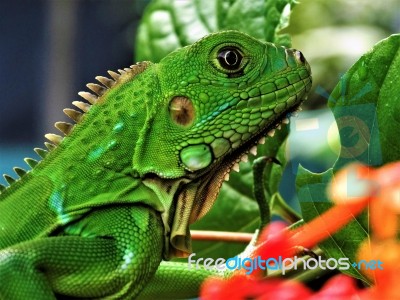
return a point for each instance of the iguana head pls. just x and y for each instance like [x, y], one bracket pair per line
[218, 98]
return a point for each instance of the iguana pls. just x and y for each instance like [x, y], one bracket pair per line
[145, 159]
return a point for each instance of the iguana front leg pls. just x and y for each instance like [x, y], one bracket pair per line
[110, 254]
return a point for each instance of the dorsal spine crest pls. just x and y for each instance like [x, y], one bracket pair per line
[76, 116]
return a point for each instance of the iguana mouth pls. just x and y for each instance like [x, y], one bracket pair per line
[240, 154]
[259, 139]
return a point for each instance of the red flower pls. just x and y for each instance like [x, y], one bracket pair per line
[240, 287]
[338, 287]
[277, 243]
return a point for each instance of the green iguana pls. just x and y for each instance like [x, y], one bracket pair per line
[145, 159]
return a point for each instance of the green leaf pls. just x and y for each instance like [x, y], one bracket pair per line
[311, 189]
[365, 106]
[263, 19]
[170, 24]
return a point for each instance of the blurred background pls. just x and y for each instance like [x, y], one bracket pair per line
[49, 50]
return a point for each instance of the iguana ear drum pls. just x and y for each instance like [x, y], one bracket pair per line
[182, 110]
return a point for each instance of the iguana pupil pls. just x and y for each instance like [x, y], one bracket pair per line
[229, 58]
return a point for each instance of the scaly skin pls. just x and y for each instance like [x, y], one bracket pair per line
[96, 216]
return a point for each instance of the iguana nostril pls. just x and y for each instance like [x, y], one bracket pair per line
[300, 56]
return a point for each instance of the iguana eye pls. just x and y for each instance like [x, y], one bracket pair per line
[230, 58]
[182, 110]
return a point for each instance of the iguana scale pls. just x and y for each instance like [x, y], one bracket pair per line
[145, 159]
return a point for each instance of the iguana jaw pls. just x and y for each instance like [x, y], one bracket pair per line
[231, 160]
